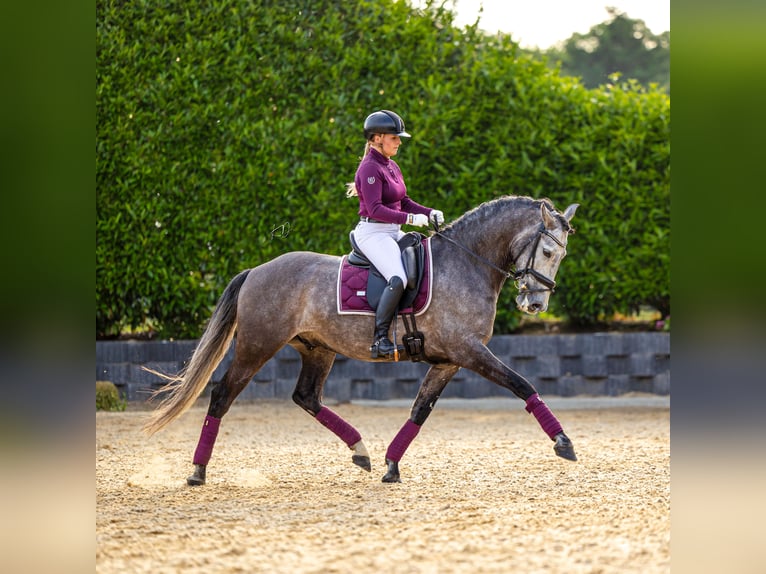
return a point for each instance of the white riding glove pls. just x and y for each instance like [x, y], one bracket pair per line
[417, 219]
[437, 216]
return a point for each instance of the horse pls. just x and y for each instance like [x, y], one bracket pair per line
[471, 256]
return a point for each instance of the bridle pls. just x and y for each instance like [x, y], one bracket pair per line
[519, 274]
[529, 269]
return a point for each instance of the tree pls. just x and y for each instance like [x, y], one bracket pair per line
[620, 45]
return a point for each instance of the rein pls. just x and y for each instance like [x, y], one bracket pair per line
[549, 283]
[476, 255]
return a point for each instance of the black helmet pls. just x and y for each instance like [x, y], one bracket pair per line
[384, 122]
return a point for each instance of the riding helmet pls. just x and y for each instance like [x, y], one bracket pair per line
[384, 122]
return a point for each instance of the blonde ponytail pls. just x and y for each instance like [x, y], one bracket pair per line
[351, 190]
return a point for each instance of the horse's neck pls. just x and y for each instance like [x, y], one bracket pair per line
[494, 238]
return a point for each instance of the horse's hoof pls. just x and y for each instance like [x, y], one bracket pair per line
[393, 472]
[564, 447]
[362, 461]
[198, 478]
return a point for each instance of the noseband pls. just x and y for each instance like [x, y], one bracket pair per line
[529, 269]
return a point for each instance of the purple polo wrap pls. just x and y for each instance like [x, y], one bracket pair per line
[402, 440]
[544, 416]
[206, 440]
[345, 431]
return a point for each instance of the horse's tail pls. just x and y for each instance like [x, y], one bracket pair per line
[183, 389]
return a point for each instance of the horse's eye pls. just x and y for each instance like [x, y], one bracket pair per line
[547, 253]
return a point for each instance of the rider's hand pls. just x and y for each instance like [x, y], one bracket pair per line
[417, 219]
[437, 216]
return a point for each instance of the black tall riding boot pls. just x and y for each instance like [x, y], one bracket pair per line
[384, 314]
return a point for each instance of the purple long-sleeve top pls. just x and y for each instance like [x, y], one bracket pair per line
[382, 192]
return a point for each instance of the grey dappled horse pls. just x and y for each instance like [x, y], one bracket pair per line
[471, 257]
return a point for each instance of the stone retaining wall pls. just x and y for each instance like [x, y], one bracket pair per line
[609, 364]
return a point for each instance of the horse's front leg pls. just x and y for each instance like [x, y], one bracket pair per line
[316, 365]
[479, 359]
[432, 386]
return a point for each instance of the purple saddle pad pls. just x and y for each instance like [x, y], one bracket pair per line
[352, 287]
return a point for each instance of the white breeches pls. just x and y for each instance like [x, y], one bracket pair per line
[378, 242]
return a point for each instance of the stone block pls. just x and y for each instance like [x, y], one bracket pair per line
[602, 344]
[526, 367]
[183, 350]
[135, 351]
[546, 386]
[641, 384]
[661, 385]
[525, 346]
[571, 365]
[268, 373]
[255, 391]
[118, 373]
[111, 352]
[617, 385]
[618, 365]
[569, 386]
[405, 388]
[548, 366]
[352, 369]
[407, 370]
[662, 364]
[595, 386]
[641, 365]
[500, 346]
[647, 343]
[453, 390]
[577, 385]
[362, 389]
[569, 345]
[480, 388]
[285, 367]
[594, 366]
[160, 351]
[283, 389]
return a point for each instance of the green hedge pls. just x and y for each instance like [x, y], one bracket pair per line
[227, 130]
[108, 397]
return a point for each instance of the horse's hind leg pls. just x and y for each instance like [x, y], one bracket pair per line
[431, 388]
[238, 375]
[316, 365]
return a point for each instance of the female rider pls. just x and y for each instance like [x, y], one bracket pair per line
[384, 207]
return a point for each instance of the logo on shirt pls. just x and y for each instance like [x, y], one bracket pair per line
[371, 180]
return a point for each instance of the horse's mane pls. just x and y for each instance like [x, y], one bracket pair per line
[487, 210]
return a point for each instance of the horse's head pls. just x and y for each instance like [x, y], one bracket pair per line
[543, 252]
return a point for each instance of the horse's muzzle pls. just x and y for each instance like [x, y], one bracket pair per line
[530, 306]
[535, 308]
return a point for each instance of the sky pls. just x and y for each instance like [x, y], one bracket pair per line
[542, 23]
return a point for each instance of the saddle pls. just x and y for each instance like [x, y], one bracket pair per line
[415, 262]
[413, 257]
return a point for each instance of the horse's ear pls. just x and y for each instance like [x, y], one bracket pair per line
[548, 220]
[570, 211]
